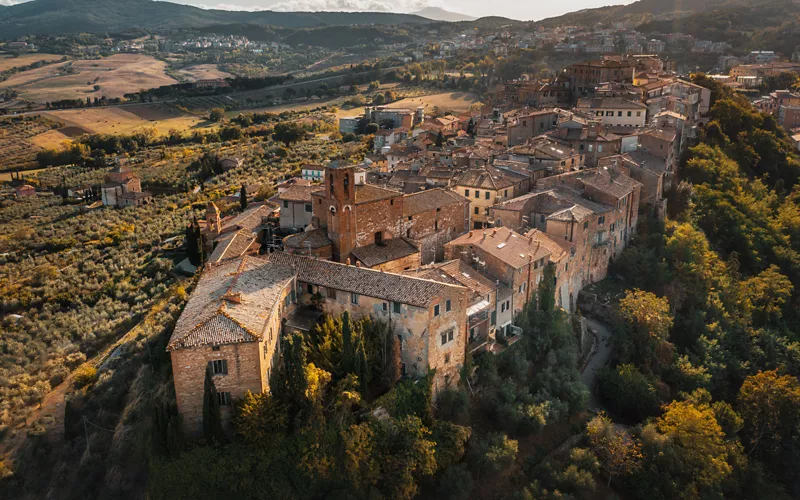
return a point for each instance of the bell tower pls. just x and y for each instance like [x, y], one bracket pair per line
[339, 203]
[213, 219]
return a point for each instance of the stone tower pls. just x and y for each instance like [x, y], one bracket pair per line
[339, 205]
[213, 219]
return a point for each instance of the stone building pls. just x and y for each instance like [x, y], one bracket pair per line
[231, 324]
[240, 309]
[380, 228]
[296, 208]
[485, 187]
[513, 260]
[121, 187]
[428, 317]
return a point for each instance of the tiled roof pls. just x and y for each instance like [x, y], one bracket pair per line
[231, 303]
[609, 103]
[393, 249]
[506, 245]
[485, 178]
[558, 248]
[233, 245]
[251, 218]
[362, 281]
[431, 199]
[316, 238]
[298, 193]
[649, 162]
[367, 193]
[544, 148]
[616, 185]
[456, 272]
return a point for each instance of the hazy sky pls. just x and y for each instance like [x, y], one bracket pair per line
[515, 9]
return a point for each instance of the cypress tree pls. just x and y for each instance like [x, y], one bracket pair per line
[243, 198]
[194, 244]
[212, 421]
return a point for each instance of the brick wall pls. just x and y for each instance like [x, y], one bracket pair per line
[384, 216]
[431, 230]
[189, 371]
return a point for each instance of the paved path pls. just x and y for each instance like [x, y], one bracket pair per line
[598, 360]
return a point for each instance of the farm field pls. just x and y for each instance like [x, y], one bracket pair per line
[203, 72]
[17, 147]
[52, 139]
[456, 102]
[7, 61]
[129, 119]
[115, 76]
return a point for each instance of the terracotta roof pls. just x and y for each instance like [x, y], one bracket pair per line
[616, 185]
[362, 281]
[316, 238]
[431, 199]
[609, 103]
[367, 193]
[249, 219]
[298, 193]
[456, 272]
[393, 249]
[485, 178]
[558, 248]
[234, 245]
[506, 245]
[231, 303]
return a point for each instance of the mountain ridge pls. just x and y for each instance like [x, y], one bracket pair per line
[439, 14]
[46, 17]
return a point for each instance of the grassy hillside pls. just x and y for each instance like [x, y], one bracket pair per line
[74, 16]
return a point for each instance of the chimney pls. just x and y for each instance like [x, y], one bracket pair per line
[470, 234]
[347, 261]
[358, 263]
[494, 233]
[233, 297]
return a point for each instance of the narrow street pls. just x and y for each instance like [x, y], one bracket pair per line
[598, 360]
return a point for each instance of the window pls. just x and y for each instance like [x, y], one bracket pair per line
[331, 293]
[450, 335]
[505, 193]
[477, 194]
[486, 211]
[311, 289]
[354, 298]
[586, 225]
[219, 366]
[493, 319]
[436, 225]
[379, 238]
[294, 296]
[447, 358]
[385, 307]
[612, 226]
[638, 113]
[447, 305]
[396, 307]
[215, 348]
[224, 398]
[503, 307]
[435, 310]
[285, 203]
[466, 193]
[476, 210]
[444, 338]
[308, 207]
[601, 219]
[630, 113]
[487, 195]
[619, 113]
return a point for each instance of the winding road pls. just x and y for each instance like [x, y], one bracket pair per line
[598, 360]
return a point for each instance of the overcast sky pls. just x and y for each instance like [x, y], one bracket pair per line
[515, 9]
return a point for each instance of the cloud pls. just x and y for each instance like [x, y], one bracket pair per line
[323, 5]
[9, 3]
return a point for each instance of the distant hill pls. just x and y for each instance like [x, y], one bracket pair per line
[437, 14]
[641, 11]
[99, 16]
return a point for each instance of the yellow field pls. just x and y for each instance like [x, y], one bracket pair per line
[129, 119]
[7, 61]
[203, 72]
[115, 75]
[52, 139]
[456, 102]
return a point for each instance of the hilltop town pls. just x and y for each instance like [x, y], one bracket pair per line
[478, 259]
